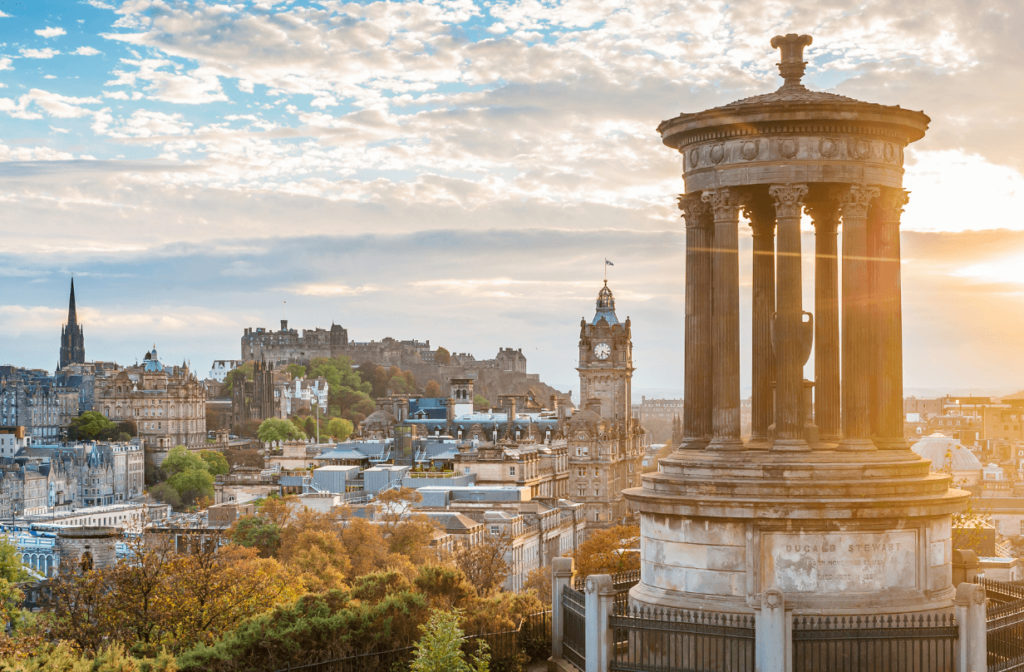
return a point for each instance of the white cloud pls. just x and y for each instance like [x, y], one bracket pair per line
[4, 16]
[5, 63]
[49, 76]
[50, 32]
[147, 124]
[117, 95]
[38, 53]
[85, 51]
[54, 104]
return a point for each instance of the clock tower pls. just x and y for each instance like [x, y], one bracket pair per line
[606, 363]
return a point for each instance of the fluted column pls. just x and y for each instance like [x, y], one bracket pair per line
[857, 359]
[825, 215]
[789, 344]
[761, 213]
[725, 272]
[697, 386]
[888, 324]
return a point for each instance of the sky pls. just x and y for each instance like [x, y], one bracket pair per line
[459, 171]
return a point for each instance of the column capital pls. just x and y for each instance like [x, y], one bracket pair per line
[788, 198]
[694, 209]
[856, 200]
[761, 214]
[890, 202]
[725, 202]
[824, 215]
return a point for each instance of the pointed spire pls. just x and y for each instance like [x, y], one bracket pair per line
[72, 312]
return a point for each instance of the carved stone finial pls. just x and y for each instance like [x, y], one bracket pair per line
[792, 66]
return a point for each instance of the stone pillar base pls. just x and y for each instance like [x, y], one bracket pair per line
[856, 445]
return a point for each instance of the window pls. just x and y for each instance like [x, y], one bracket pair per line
[597, 472]
[582, 491]
[582, 471]
[597, 492]
[511, 471]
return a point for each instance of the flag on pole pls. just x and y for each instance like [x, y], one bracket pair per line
[608, 263]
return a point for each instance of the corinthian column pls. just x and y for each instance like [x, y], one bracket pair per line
[697, 387]
[789, 344]
[725, 320]
[856, 355]
[761, 214]
[888, 326]
[825, 215]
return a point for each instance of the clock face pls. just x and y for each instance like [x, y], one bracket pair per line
[602, 350]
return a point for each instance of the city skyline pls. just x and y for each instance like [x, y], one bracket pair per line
[460, 172]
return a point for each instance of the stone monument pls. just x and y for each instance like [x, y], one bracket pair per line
[826, 504]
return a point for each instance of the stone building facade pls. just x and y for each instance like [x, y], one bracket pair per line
[44, 405]
[167, 404]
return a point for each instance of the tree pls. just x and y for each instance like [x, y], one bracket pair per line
[480, 401]
[484, 563]
[432, 390]
[318, 558]
[340, 428]
[440, 648]
[609, 551]
[192, 485]
[539, 581]
[442, 356]
[181, 459]
[297, 370]
[165, 493]
[216, 463]
[256, 532]
[275, 429]
[89, 426]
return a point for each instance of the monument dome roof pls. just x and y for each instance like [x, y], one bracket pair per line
[381, 417]
[942, 450]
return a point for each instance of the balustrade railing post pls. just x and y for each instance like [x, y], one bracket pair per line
[561, 576]
[600, 600]
[971, 618]
[773, 633]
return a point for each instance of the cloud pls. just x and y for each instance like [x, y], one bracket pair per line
[50, 32]
[5, 63]
[38, 53]
[86, 51]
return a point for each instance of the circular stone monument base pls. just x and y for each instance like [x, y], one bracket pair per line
[837, 532]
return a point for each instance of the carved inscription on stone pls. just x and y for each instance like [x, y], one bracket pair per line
[839, 562]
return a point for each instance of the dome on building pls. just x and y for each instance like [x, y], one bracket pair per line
[381, 419]
[605, 306]
[943, 451]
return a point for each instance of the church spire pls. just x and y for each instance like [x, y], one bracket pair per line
[72, 312]
[72, 339]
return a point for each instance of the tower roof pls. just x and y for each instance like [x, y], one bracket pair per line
[72, 311]
[605, 306]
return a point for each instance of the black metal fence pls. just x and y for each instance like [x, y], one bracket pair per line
[900, 643]
[1005, 626]
[574, 627]
[677, 640]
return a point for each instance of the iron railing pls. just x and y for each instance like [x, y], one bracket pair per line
[678, 640]
[880, 643]
[574, 627]
[1005, 626]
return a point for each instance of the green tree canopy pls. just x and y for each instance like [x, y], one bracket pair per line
[297, 370]
[256, 532]
[440, 648]
[166, 494]
[216, 463]
[275, 429]
[192, 484]
[480, 400]
[340, 428]
[181, 459]
[11, 569]
[89, 426]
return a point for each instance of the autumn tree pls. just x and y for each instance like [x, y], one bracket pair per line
[442, 356]
[432, 390]
[484, 563]
[609, 551]
[539, 581]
